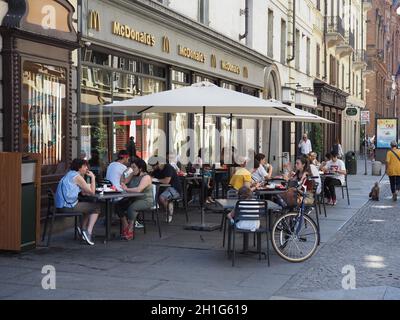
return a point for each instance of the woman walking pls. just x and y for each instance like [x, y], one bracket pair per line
[393, 169]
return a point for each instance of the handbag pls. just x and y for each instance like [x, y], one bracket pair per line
[288, 198]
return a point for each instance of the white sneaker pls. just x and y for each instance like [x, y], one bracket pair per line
[87, 237]
[170, 211]
[138, 225]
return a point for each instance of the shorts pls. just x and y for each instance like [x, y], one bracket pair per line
[170, 194]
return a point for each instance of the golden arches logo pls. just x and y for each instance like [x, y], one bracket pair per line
[94, 20]
[213, 61]
[165, 45]
[245, 72]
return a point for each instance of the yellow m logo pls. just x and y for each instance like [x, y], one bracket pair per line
[213, 61]
[165, 43]
[94, 20]
[245, 72]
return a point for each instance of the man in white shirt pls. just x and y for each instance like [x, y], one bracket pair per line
[338, 168]
[117, 168]
[305, 145]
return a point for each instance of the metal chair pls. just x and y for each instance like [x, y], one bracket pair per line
[249, 210]
[345, 186]
[154, 211]
[53, 213]
[230, 194]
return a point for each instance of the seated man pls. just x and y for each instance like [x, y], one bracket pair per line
[242, 177]
[337, 167]
[165, 173]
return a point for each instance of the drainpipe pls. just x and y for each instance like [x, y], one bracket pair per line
[246, 17]
[325, 45]
[79, 70]
[294, 34]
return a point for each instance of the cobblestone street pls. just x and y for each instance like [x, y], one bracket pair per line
[369, 242]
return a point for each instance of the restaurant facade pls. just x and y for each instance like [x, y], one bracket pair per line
[131, 49]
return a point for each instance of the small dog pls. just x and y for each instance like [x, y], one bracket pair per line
[374, 194]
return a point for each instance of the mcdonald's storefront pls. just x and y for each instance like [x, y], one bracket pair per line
[135, 49]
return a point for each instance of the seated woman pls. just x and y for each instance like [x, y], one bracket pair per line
[66, 198]
[300, 177]
[262, 169]
[138, 181]
[338, 168]
[313, 159]
[328, 157]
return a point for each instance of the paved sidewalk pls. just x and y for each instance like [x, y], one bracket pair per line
[193, 265]
[369, 243]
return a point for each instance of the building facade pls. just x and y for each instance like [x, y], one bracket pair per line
[383, 30]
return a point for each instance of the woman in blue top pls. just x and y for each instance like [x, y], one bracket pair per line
[66, 199]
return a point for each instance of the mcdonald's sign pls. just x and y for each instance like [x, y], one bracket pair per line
[94, 20]
[245, 72]
[213, 61]
[165, 44]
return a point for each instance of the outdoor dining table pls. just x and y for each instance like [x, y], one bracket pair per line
[185, 180]
[108, 199]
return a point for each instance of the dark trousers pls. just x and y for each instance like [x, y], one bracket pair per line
[330, 184]
[394, 183]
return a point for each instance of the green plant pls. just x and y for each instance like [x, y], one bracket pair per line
[318, 138]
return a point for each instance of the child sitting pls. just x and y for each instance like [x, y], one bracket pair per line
[244, 193]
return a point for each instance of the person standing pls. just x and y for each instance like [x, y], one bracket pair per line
[305, 145]
[131, 148]
[337, 148]
[393, 168]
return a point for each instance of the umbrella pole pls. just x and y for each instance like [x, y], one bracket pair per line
[269, 140]
[203, 226]
[202, 168]
[230, 131]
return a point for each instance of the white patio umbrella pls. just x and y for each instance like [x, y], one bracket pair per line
[201, 97]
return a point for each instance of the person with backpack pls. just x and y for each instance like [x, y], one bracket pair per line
[337, 149]
[393, 168]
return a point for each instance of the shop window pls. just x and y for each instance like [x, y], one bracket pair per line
[229, 86]
[125, 86]
[125, 64]
[44, 114]
[153, 70]
[95, 119]
[152, 86]
[210, 145]
[96, 57]
[199, 78]
[180, 77]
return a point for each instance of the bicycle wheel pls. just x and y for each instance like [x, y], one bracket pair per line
[291, 245]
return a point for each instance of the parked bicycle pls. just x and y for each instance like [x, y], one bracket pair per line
[295, 235]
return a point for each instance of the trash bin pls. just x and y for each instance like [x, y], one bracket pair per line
[351, 162]
[376, 168]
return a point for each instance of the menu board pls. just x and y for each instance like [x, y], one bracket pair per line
[386, 131]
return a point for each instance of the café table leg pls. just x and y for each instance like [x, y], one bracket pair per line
[108, 220]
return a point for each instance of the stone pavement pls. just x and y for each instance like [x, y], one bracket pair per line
[193, 265]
